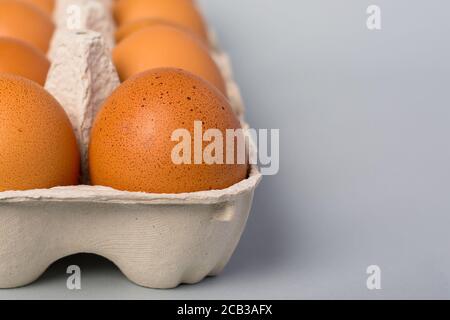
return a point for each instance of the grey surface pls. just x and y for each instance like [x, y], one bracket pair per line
[365, 157]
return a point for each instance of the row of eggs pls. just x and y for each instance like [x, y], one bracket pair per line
[169, 80]
[151, 34]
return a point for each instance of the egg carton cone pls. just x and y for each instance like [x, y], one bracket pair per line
[156, 240]
[76, 15]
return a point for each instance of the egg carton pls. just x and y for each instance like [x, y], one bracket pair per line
[156, 240]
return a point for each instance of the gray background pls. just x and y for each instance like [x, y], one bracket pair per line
[364, 176]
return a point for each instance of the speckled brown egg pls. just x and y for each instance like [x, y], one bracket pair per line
[164, 45]
[26, 22]
[38, 148]
[131, 141]
[19, 58]
[181, 12]
[46, 5]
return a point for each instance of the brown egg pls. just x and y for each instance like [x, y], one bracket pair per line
[131, 141]
[19, 58]
[129, 28]
[46, 5]
[163, 45]
[181, 12]
[38, 148]
[26, 22]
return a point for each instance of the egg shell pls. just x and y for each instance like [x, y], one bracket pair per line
[37, 146]
[19, 58]
[26, 22]
[45, 5]
[164, 45]
[131, 27]
[131, 145]
[181, 12]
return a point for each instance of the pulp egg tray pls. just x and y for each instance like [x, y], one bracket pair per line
[156, 240]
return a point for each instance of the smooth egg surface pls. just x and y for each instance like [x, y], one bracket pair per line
[131, 140]
[129, 28]
[181, 12]
[46, 5]
[19, 58]
[26, 22]
[164, 45]
[38, 148]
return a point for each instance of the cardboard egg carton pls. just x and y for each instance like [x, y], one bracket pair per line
[156, 240]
